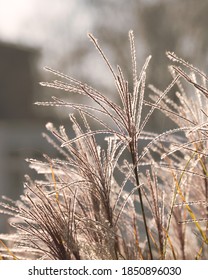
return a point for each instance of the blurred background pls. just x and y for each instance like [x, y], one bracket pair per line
[35, 33]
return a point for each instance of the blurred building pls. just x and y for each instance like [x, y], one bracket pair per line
[20, 125]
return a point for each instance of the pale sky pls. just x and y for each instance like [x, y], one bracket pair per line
[48, 24]
[13, 15]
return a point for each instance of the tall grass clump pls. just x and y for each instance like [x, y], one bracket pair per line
[118, 191]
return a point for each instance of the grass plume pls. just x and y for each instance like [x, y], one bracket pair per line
[95, 201]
